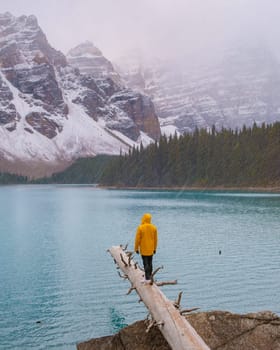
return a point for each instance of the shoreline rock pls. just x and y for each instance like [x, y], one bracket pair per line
[221, 330]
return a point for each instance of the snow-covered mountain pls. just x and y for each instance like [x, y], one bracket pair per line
[239, 86]
[51, 113]
[55, 108]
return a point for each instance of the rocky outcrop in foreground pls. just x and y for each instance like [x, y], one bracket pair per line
[220, 330]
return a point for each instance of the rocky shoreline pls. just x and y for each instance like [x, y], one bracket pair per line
[221, 330]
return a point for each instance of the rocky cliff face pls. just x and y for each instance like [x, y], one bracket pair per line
[139, 107]
[90, 60]
[28, 65]
[52, 112]
[220, 330]
[240, 86]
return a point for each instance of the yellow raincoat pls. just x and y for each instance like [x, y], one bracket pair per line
[146, 236]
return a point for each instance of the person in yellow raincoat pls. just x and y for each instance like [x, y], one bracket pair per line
[146, 242]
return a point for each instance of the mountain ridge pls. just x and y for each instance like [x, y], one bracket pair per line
[56, 108]
[52, 113]
[237, 86]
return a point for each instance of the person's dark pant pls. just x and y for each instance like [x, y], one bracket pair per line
[148, 266]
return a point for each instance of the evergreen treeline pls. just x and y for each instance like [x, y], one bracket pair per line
[247, 157]
[11, 179]
[83, 171]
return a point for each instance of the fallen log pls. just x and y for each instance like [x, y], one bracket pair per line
[175, 328]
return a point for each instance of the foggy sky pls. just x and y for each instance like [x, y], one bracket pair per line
[160, 27]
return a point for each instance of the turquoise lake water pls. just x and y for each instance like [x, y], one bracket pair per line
[59, 286]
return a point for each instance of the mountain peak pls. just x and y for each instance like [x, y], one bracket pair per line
[7, 20]
[51, 113]
[85, 48]
[5, 15]
[90, 60]
[238, 86]
[21, 40]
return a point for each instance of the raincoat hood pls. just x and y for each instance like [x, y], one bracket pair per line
[147, 218]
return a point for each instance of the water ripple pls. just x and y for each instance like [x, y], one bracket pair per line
[59, 286]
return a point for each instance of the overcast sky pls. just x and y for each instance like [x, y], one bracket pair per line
[162, 27]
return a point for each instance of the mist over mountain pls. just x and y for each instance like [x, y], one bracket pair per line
[228, 88]
[90, 60]
[51, 113]
[193, 68]
[234, 87]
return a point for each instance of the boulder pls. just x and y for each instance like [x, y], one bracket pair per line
[219, 329]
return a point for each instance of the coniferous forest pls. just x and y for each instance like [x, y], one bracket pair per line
[247, 157]
[11, 179]
[82, 171]
[228, 158]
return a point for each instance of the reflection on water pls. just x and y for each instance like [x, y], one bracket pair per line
[117, 320]
[223, 247]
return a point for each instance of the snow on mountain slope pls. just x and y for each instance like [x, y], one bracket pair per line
[80, 135]
[240, 86]
[90, 60]
[132, 108]
[50, 112]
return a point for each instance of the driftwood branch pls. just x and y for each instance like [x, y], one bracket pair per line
[130, 290]
[165, 283]
[185, 311]
[178, 301]
[175, 328]
[125, 277]
[151, 324]
[129, 259]
[123, 261]
[124, 247]
[156, 270]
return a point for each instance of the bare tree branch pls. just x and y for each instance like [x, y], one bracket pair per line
[176, 329]
[178, 301]
[125, 247]
[157, 270]
[130, 290]
[189, 310]
[165, 283]
[151, 324]
[122, 259]
[125, 277]
[129, 259]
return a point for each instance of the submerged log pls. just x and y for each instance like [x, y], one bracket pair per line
[175, 328]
